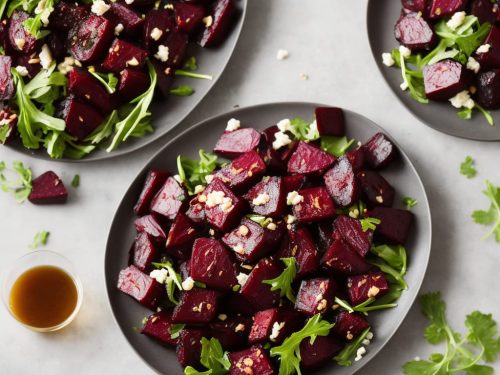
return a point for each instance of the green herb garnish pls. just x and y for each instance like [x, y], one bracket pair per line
[336, 145]
[190, 64]
[409, 202]
[174, 279]
[175, 330]
[283, 282]
[182, 90]
[185, 73]
[193, 172]
[261, 220]
[344, 358]
[40, 239]
[467, 167]
[369, 223]
[492, 215]
[365, 306]
[21, 186]
[213, 358]
[75, 182]
[108, 80]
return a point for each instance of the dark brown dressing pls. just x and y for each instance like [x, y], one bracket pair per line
[43, 297]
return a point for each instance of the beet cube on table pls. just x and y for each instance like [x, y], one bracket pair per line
[48, 189]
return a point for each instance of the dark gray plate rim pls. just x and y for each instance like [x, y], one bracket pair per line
[424, 221]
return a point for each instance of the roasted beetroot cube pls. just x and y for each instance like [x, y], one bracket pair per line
[486, 11]
[289, 321]
[357, 158]
[268, 198]
[183, 232]
[272, 158]
[318, 353]
[158, 327]
[340, 258]
[132, 84]
[153, 182]
[413, 31]
[304, 250]
[341, 183]
[162, 20]
[330, 121]
[250, 241]
[445, 8]
[20, 39]
[85, 87]
[140, 286]
[196, 306]
[232, 333]
[445, 79]
[165, 77]
[293, 183]
[212, 264]
[376, 189]
[235, 304]
[66, 15]
[349, 325]
[352, 233]
[122, 14]
[57, 45]
[235, 143]
[488, 89]
[188, 17]
[491, 59]
[415, 5]
[196, 211]
[324, 231]
[223, 209]
[224, 12]
[316, 296]
[362, 287]
[243, 171]
[170, 199]
[6, 84]
[315, 206]
[177, 43]
[150, 225]
[308, 159]
[258, 293]
[91, 39]
[379, 151]
[144, 252]
[189, 346]
[395, 224]
[123, 55]
[81, 119]
[48, 188]
[262, 326]
[9, 127]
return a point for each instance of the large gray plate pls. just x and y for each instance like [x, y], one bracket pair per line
[381, 17]
[168, 113]
[402, 175]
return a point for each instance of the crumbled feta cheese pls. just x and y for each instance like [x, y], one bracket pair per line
[462, 99]
[387, 59]
[303, 76]
[366, 342]
[282, 54]
[214, 198]
[67, 65]
[44, 12]
[209, 178]
[45, 57]
[271, 226]
[373, 291]
[359, 354]
[483, 48]
[22, 70]
[404, 85]
[233, 125]
[404, 51]
[369, 335]
[417, 359]
[118, 29]
[129, 1]
[99, 7]
[169, 6]
[159, 275]
[178, 178]
[294, 198]
[456, 20]
[242, 278]
[208, 21]
[156, 33]
[281, 139]
[261, 199]
[239, 248]
[276, 330]
[284, 125]
[354, 213]
[290, 219]
[239, 328]
[188, 284]
[162, 53]
[322, 305]
[202, 198]
[132, 62]
[379, 199]
[227, 204]
[78, 63]
[198, 189]
[19, 42]
[243, 230]
[473, 64]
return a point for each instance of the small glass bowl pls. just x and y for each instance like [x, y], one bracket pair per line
[34, 259]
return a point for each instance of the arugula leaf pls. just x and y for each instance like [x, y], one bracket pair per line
[40, 238]
[3, 4]
[467, 167]
[336, 145]
[369, 223]
[194, 172]
[409, 202]
[465, 38]
[303, 130]
[174, 279]
[212, 357]
[75, 182]
[344, 358]
[366, 306]
[182, 90]
[289, 351]
[34, 24]
[283, 282]
[414, 79]
[21, 187]
[26, 5]
[175, 330]
[190, 64]
[108, 80]
[395, 256]
[185, 73]
[492, 215]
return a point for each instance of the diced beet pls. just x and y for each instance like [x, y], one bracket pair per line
[258, 293]
[235, 304]
[196, 211]
[4, 38]
[242, 171]
[232, 333]
[177, 46]
[362, 287]
[488, 89]
[287, 151]
[85, 87]
[57, 45]
[235, 143]
[324, 232]
[303, 249]
[319, 353]
[395, 224]
[250, 241]
[413, 31]
[189, 346]
[140, 286]
[144, 252]
[357, 158]
[153, 182]
[349, 325]
[188, 17]
[223, 14]
[170, 199]
[150, 225]
[160, 19]
[48, 188]
[132, 84]
[122, 14]
[273, 188]
[316, 205]
[293, 183]
[445, 8]
[8, 119]
[272, 158]
[445, 79]
[6, 84]
[340, 258]
[350, 231]
[123, 55]
[379, 151]
[91, 39]
[262, 326]
[376, 188]
[212, 264]
[289, 321]
[341, 183]
[491, 59]
[20, 39]
[486, 11]
[415, 5]
[196, 306]
[67, 15]
[253, 360]
[330, 121]
[308, 159]
[316, 296]
[226, 214]
[81, 119]
[165, 77]
[158, 326]
[183, 232]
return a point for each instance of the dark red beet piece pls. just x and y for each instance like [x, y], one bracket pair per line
[153, 182]
[341, 183]
[157, 326]
[235, 143]
[8, 119]
[349, 325]
[350, 231]
[235, 304]
[170, 199]
[81, 119]
[273, 188]
[413, 31]
[123, 55]
[85, 87]
[253, 360]
[131, 20]
[357, 158]
[6, 84]
[316, 296]
[29, 62]
[330, 121]
[488, 89]
[340, 258]
[316, 205]
[140, 286]
[362, 287]
[196, 306]
[212, 264]
[258, 293]
[196, 211]
[289, 321]
[177, 46]
[308, 159]
[415, 5]
[165, 77]
[132, 84]
[189, 346]
[243, 171]
[293, 183]
[67, 15]
[48, 189]
[491, 59]
[232, 333]
[20, 39]
[222, 18]
[395, 224]
[160, 19]
[445, 79]
[144, 252]
[304, 250]
[151, 226]
[324, 348]
[324, 231]
[183, 232]
[91, 39]
[262, 326]
[376, 188]
[486, 11]
[379, 151]
[445, 8]
[189, 17]
[57, 45]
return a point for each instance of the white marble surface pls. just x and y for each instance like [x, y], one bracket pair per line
[326, 40]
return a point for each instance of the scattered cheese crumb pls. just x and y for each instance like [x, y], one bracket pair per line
[178, 178]
[284, 125]
[99, 7]
[215, 198]
[322, 304]
[462, 99]
[473, 64]
[242, 278]
[239, 248]
[282, 54]
[159, 275]
[359, 354]
[239, 328]
[404, 51]
[233, 125]
[456, 20]
[41, 9]
[222, 317]
[366, 342]
[67, 65]
[156, 33]
[379, 199]
[483, 48]
[369, 335]
[209, 178]
[243, 230]
[294, 198]
[19, 42]
[354, 213]
[162, 53]
[373, 291]
[132, 62]
[45, 57]
[208, 21]
[188, 284]
[404, 85]
[227, 204]
[22, 70]
[129, 1]
[271, 226]
[276, 330]
[118, 29]
[387, 59]
[261, 199]
[290, 219]
[281, 139]
[198, 189]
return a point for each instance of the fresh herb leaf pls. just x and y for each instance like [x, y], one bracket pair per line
[364, 307]
[395, 256]
[75, 182]
[213, 358]
[190, 64]
[336, 145]
[283, 282]
[303, 130]
[409, 202]
[108, 80]
[369, 223]
[193, 172]
[261, 220]
[344, 358]
[182, 90]
[21, 186]
[185, 73]
[104, 130]
[40, 239]
[34, 24]
[175, 330]
[467, 167]
[487, 115]
[465, 38]
[174, 279]
[492, 215]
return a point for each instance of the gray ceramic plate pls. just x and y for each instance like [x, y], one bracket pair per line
[168, 113]
[381, 17]
[402, 175]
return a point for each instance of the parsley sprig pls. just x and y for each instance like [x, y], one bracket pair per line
[467, 167]
[213, 358]
[369, 223]
[284, 281]
[20, 186]
[492, 215]
[193, 172]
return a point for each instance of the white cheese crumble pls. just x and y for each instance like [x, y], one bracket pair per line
[243, 230]
[129, 1]
[20, 42]
[276, 330]
[159, 275]
[99, 7]
[284, 125]
[290, 219]
[404, 51]
[118, 29]
[280, 140]
[282, 54]
[239, 248]
[483, 48]
[198, 189]
[242, 278]
[156, 33]
[294, 198]
[387, 59]
[359, 354]
[209, 178]
[22, 70]
[456, 20]
[67, 65]
[45, 57]
[188, 284]
[404, 86]
[214, 198]
[178, 178]
[227, 204]
[261, 199]
[132, 62]
[233, 125]
[271, 226]
[369, 335]
[44, 12]
[462, 99]
[473, 64]
[239, 328]
[162, 53]
[208, 21]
